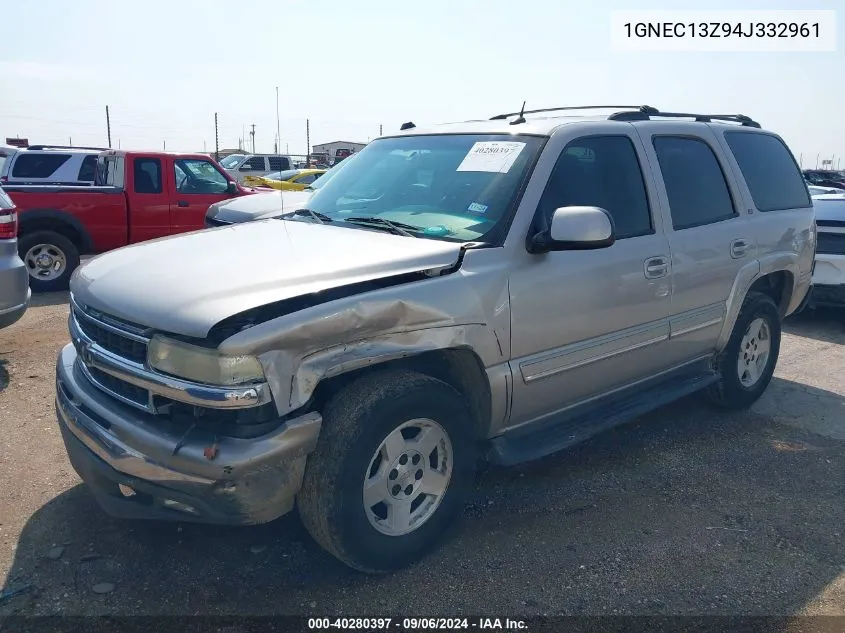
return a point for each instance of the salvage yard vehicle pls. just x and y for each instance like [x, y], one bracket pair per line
[829, 271]
[290, 180]
[14, 280]
[496, 289]
[246, 169]
[49, 165]
[264, 205]
[136, 196]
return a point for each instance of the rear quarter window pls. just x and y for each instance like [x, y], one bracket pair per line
[770, 171]
[37, 165]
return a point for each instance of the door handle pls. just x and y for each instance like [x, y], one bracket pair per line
[656, 267]
[739, 248]
[183, 203]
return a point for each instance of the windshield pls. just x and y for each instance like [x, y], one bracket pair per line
[230, 162]
[450, 187]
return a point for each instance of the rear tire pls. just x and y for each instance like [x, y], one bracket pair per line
[747, 363]
[50, 259]
[369, 466]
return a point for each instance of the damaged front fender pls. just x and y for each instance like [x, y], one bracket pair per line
[300, 349]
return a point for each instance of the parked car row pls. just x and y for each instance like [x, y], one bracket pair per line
[493, 290]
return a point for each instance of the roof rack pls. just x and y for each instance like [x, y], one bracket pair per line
[646, 115]
[637, 113]
[43, 147]
[499, 117]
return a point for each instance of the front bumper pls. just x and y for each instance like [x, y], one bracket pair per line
[119, 451]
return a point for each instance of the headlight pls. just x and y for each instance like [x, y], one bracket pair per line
[203, 365]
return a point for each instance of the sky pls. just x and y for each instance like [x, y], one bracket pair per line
[357, 68]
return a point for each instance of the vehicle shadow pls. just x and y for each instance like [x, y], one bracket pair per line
[686, 511]
[49, 299]
[822, 324]
[4, 375]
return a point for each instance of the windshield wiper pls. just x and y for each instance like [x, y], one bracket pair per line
[320, 217]
[398, 228]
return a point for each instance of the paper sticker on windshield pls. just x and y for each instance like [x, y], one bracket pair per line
[491, 156]
[475, 207]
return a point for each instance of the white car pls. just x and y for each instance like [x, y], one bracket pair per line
[829, 271]
[815, 190]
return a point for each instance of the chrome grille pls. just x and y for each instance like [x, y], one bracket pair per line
[124, 340]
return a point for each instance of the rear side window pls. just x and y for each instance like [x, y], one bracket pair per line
[278, 163]
[5, 201]
[88, 168]
[769, 169]
[695, 183]
[38, 165]
[254, 163]
[147, 175]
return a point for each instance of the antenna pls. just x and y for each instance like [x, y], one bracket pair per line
[521, 117]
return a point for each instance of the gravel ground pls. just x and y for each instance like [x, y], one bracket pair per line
[685, 511]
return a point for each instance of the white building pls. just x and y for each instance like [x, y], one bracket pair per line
[332, 148]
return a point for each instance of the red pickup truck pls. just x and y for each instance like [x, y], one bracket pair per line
[136, 196]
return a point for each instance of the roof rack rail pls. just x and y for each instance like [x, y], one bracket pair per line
[643, 115]
[644, 108]
[43, 147]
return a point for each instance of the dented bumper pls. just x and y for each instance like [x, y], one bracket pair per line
[141, 466]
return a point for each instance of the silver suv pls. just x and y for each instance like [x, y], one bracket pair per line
[495, 290]
[14, 278]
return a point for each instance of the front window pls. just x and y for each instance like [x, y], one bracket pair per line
[449, 187]
[198, 176]
[230, 162]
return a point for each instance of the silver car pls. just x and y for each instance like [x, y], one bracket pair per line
[496, 290]
[14, 280]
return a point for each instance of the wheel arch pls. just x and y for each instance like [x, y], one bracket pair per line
[60, 222]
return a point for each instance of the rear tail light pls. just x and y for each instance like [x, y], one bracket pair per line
[8, 225]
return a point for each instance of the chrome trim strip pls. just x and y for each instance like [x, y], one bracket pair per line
[148, 407]
[93, 355]
[107, 326]
[593, 350]
[697, 326]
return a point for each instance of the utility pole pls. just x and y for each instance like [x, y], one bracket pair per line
[108, 126]
[278, 127]
[216, 140]
[164, 145]
[817, 160]
[801, 160]
[379, 129]
[307, 143]
[252, 134]
[70, 141]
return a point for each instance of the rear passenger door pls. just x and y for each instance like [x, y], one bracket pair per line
[710, 235]
[149, 199]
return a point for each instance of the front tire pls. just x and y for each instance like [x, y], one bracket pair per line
[393, 466]
[50, 259]
[747, 363]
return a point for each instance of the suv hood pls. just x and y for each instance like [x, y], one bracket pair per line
[258, 206]
[187, 283]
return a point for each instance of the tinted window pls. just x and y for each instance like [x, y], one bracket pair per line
[769, 169]
[198, 176]
[147, 175]
[37, 165]
[306, 180]
[88, 168]
[601, 171]
[110, 171]
[695, 183]
[278, 163]
[254, 163]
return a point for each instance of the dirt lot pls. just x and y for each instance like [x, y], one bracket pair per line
[684, 512]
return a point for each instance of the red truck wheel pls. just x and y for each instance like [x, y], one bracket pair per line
[50, 259]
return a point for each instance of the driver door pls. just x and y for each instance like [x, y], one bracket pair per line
[196, 184]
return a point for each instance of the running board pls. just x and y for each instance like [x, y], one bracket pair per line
[582, 422]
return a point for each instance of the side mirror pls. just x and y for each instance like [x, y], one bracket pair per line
[232, 187]
[575, 229]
